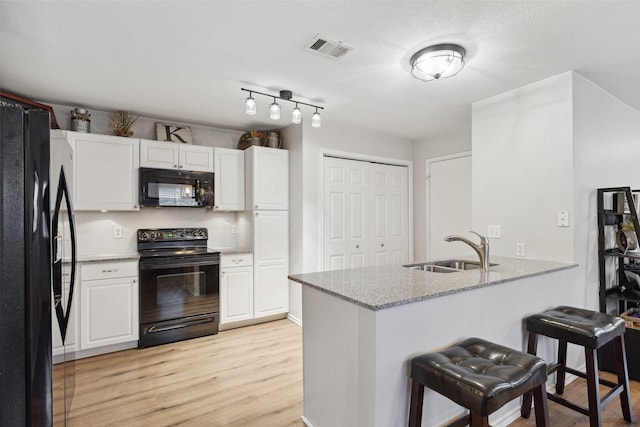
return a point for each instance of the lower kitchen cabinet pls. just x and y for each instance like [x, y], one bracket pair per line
[71, 339]
[109, 303]
[236, 288]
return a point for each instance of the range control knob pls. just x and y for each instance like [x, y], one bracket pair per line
[182, 234]
[144, 236]
[154, 235]
[201, 233]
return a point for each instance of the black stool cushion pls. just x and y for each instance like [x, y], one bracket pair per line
[479, 375]
[587, 328]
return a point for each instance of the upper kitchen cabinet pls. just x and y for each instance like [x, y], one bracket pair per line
[267, 173]
[105, 172]
[171, 155]
[228, 182]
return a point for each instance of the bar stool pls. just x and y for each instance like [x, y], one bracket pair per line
[591, 330]
[480, 376]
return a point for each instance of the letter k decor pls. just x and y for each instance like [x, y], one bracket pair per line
[173, 133]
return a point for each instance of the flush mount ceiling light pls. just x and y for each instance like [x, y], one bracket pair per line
[437, 62]
[274, 107]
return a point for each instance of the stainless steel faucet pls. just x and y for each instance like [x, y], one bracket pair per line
[482, 249]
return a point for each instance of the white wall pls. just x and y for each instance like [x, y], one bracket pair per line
[305, 150]
[606, 146]
[456, 141]
[522, 168]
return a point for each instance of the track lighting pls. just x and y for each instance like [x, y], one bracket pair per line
[274, 107]
[316, 120]
[250, 105]
[296, 115]
[274, 110]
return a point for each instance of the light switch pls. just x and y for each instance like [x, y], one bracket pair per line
[563, 218]
[493, 232]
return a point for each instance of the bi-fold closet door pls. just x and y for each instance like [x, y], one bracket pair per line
[365, 213]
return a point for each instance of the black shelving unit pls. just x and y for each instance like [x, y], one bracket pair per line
[617, 211]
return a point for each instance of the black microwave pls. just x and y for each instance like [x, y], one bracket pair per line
[178, 188]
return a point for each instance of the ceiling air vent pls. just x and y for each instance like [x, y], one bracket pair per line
[327, 47]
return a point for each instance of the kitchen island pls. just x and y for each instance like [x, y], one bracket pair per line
[362, 326]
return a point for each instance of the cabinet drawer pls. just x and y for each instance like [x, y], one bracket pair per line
[109, 270]
[236, 260]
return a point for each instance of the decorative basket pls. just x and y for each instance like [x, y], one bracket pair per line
[632, 318]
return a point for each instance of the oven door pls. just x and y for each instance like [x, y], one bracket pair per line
[179, 298]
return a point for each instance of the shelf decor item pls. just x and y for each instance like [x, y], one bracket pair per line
[173, 133]
[121, 123]
[80, 121]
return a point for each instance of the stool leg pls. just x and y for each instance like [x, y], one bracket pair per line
[541, 405]
[532, 348]
[562, 366]
[623, 376]
[478, 420]
[415, 410]
[593, 387]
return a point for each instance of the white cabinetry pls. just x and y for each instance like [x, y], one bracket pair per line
[236, 288]
[229, 179]
[171, 155]
[267, 179]
[267, 172]
[71, 338]
[109, 308]
[271, 262]
[105, 172]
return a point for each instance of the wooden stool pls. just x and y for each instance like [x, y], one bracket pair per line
[480, 376]
[591, 330]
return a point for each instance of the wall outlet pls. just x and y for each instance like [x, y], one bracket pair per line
[520, 249]
[117, 232]
[493, 232]
[562, 218]
[234, 229]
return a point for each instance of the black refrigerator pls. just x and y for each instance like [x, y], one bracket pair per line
[37, 266]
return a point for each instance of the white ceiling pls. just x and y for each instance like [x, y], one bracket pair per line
[186, 61]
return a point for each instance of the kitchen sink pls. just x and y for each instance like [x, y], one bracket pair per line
[447, 266]
[432, 268]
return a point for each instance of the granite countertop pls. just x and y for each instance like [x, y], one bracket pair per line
[232, 251]
[107, 257]
[380, 287]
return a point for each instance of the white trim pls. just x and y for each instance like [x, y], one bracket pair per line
[294, 319]
[427, 173]
[306, 421]
[366, 158]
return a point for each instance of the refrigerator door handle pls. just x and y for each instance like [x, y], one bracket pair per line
[63, 313]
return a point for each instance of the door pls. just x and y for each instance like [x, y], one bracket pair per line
[345, 223]
[365, 214]
[390, 215]
[236, 293]
[449, 204]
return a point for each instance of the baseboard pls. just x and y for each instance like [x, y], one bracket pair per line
[294, 319]
[81, 354]
[249, 322]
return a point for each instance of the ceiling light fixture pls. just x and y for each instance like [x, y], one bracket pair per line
[437, 62]
[274, 108]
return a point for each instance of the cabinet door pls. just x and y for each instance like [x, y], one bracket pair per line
[229, 179]
[269, 188]
[71, 341]
[271, 263]
[195, 158]
[159, 155]
[105, 172]
[236, 294]
[109, 313]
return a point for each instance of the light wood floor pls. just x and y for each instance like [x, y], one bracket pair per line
[243, 377]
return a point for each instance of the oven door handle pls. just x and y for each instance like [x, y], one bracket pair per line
[157, 328]
[164, 264]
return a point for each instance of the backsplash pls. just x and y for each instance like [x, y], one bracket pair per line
[95, 230]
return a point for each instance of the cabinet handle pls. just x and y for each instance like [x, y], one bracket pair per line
[257, 213]
[256, 206]
[110, 271]
[175, 166]
[382, 245]
[224, 272]
[236, 260]
[180, 167]
[134, 280]
[357, 246]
